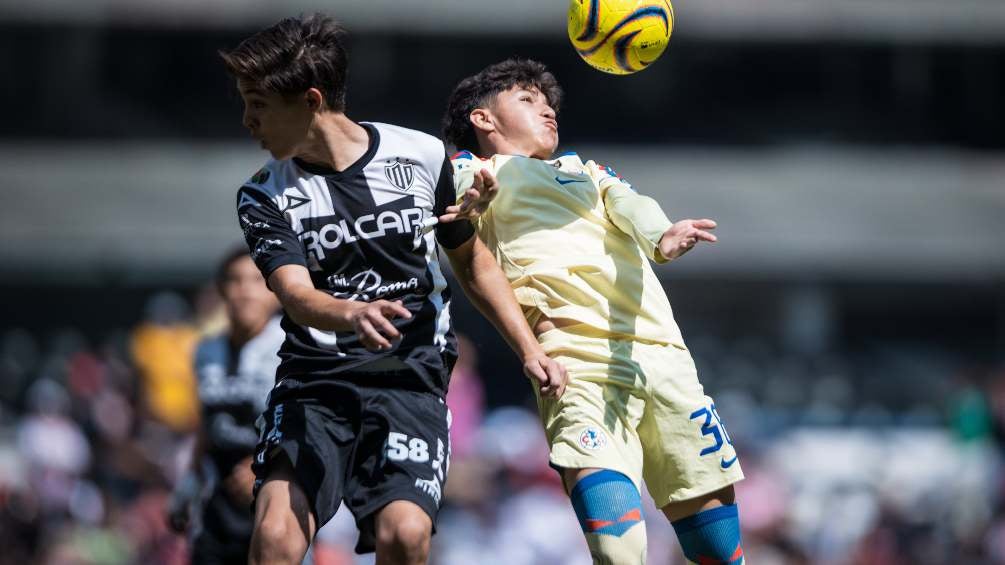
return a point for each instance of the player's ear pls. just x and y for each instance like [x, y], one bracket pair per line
[481, 118]
[315, 100]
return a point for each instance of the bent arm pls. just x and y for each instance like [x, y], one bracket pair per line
[309, 306]
[639, 216]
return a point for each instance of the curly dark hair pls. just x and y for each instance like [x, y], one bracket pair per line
[293, 55]
[479, 90]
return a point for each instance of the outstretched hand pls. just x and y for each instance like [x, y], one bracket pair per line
[684, 235]
[476, 199]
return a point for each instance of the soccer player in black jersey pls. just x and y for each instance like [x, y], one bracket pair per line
[344, 223]
[236, 370]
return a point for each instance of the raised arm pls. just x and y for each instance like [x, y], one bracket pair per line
[642, 218]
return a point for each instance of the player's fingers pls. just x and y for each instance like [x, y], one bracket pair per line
[703, 235]
[471, 197]
[477, 181]
[489, 182]
[705, 223]
[369, 336]
[385, 328]
[395, 309]
[534, 371]
[451, 214]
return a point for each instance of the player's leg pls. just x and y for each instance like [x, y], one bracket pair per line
[609, 508]
[690, 463]
[403, 531]
[708, 527]
[592, 435]
[300, 465]
[284, 523]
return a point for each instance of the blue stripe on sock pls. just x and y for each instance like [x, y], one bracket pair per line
[704, 518]
[602, 476]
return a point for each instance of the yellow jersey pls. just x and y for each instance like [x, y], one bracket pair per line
[575, 241]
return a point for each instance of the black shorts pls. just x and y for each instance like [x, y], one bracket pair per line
[368, 446]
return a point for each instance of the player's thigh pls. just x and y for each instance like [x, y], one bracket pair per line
[593, 425]
[688, 451]
[402, 455]
[305, 448]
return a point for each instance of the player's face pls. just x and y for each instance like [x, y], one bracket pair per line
[524, 118]
[249, 302]
[279, 124]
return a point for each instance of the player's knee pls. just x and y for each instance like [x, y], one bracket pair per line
[278, 538]
[406, 537]
[609, 508]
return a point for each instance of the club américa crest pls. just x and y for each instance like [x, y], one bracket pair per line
[400, 173]
[593, 439]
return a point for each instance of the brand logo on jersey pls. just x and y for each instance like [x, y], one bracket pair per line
[246, 200]
[567, 181]
[368, 285]
[370, 226]
[400, 174]
[593, 439]
[289, 202]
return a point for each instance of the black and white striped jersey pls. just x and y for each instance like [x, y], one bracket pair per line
[363, 233]
[234, 387]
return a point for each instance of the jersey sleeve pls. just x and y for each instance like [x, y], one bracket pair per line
[271, 240]
[639, 216]
[451, 234]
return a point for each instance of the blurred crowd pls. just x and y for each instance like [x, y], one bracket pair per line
[882, 457]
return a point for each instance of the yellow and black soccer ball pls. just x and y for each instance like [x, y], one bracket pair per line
[620, 36]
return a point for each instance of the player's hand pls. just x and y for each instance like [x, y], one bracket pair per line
[549, 375]
[684, 235]
[372, 323]
[476, 199]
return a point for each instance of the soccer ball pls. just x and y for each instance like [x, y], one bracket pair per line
[620, 36]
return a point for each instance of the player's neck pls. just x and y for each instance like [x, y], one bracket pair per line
[497, 145]
[334, 141]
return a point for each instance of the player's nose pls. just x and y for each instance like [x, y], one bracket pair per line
[249, 122]
[548, 112]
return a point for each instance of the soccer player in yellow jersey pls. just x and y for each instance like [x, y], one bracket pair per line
[575, 241]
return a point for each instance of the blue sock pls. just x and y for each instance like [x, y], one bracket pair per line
[711, 537]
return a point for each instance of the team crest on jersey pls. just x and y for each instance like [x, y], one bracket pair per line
[400, 174]
[593, 439]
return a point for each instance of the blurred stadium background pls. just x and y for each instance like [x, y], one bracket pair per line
[850, 322]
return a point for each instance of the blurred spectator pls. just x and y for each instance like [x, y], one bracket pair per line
[236, 369]
[162, 348]
[466, 399]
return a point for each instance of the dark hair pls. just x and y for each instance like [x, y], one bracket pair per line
[223, 267]
[481, 89]
[292, 56]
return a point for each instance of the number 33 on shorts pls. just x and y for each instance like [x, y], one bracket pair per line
[711, 425]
